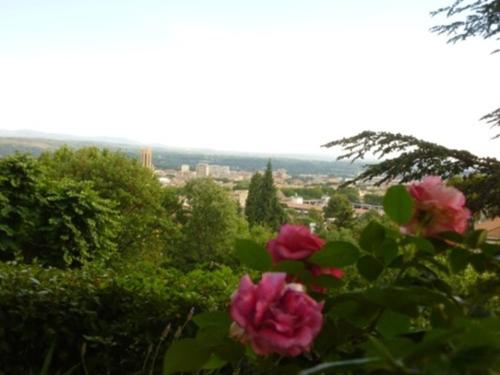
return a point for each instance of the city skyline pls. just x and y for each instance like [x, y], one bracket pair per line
[268, 76]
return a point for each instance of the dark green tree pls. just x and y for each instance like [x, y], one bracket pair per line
[253, 209]
[469, 19]
[135, 190]
[18, 199]
[263, 206]
[60, 222]
[340, 209]
[477, 177]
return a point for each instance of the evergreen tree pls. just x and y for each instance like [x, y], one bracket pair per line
[252, 209]
[262, 206]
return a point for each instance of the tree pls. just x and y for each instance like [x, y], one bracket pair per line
[59, 222]
[373, 199]
[253, 210]
[472, 18]
[135, 190]
[262, 206]
[477, 177]
[340, 209]
[351, 193]
[212, 225]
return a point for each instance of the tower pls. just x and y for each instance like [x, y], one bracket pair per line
[147, 157]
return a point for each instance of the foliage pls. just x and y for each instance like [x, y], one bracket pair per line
[18, 188]
[340, 209]
[315, 192]
[212, 224]
[74, 225]
[114, 176]
[419, 158]
[58, 222]
[262, 206]
[482, 19]
[418, 311]
[350, 192]
[373, 199]
[100, 320]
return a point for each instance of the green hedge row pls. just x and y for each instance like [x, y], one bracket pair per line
[99, 321]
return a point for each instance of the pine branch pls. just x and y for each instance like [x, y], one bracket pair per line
[418, 158]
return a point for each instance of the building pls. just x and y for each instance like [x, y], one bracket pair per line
[185, 168]
[202, 170]
[147, 157]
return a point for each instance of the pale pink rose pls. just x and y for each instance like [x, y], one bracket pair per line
[294, 242]
[275, 317]
[438, 208]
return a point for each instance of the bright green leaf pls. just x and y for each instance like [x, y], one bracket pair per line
[336, 254]
[372, 237]
[252, 255]
[398, 204]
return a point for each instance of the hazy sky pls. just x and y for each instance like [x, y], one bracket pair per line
[254, 75]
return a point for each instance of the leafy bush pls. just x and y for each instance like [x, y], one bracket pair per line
[59, 222]
[101, 321]
[427, 304]
[134, 189]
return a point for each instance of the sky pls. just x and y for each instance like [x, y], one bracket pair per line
[272, 76]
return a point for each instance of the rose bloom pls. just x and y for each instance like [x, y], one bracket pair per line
[275, 317]
[438, 208]
[296, 242]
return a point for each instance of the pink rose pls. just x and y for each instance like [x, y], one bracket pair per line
[438, 208]
[316, 271]
[275, 317]
[294, 242]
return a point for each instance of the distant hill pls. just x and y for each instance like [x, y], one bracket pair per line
[170, 158]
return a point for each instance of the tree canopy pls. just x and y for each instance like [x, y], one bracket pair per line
[262, 206]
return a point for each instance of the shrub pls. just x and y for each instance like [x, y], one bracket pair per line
[102, 320]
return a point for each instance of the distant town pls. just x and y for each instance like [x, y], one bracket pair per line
[237, 182]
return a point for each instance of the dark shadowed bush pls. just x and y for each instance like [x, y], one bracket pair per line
[99, 320]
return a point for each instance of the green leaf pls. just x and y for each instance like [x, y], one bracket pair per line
[229, 350]
[388, 251]
[458, 258]
[479, 262]
[392, 324]
[372, 236]
[291, 267]
[252, 255]
[48, 359]
[216, 318]
[370, 267]
[422, 244]
[327, 281]
[476, 238]
[185, 355]
[214, 363]
[336, 254]
[398, 204]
